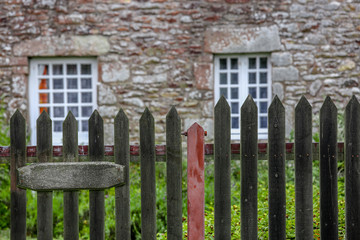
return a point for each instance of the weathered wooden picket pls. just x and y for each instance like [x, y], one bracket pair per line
[99, 174]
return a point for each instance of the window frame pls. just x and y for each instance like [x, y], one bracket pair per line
[243, 85]
[34, 91]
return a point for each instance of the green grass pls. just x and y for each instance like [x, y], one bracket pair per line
[161, 203]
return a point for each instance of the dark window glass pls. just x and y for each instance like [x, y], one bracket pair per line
[252, 78]
[235, 107]
[57, 126]
[223, 63]
[263, 122]
[235, 122]
[86, 111]
[252, 63]
[86, 97]
[59, 112]
[223, 91]
[58, 83]
[263, 107]
[57, 69]
[263, 92]
[85, 68]
[252, 92]
[234, 78]
[71, 69]
[263, 63]
[234, 63]
[234, 93]
[72, 83]
[58, 97]
[223, 78]
[84, 126]
[72, 98]
[263, 77]
[74, 110]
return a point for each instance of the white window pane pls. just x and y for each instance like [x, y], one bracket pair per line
[59, 112]
[57, 69]
[263, 107]
[86, 83]
[235, 107]
[74, 111]
[223, 78]
[44, 98]
[263, 92]
[72, 98]
[223, 92]
[84, 126]
[46, 109]
[234, 63]
[57, 126]
[58, 83]
[263, 63]
[85, 69]
[72, 83]
[263, 77]
[223, 64]
[263, 122]
[234, 78]
[235, 122]
[43, 83]
[234, 93]
[86, 97]
[252, 78]
[252, 63]
[252, 92]
[86, 111]
[43, 69]
[71, 69]
[58, 97]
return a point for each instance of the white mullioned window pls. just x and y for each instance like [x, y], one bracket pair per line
[236, 77]
[60, 85]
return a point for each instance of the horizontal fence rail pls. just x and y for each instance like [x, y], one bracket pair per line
[83, 161]
[160, 151]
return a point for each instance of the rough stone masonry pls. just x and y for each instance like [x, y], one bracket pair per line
[158, 53]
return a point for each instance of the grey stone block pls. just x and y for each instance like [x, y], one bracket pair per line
[285, 74]
[281, 59]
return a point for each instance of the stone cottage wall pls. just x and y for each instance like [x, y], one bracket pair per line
[159, 53]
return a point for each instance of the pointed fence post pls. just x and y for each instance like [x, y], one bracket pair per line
[71, 198]
[352, 169]
[328, 171]
[195, 182]
[174, 175]
[122, 194]
[18, 159]
[148, 184]
[303, 171]
[249, 158]
[96, 153]
[277, 183]
[44, 199]
[222, 168]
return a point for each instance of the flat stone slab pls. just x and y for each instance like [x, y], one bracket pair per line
[70, 176]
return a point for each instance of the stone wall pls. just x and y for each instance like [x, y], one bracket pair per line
[159, 53]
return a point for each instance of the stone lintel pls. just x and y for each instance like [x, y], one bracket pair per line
[237, 39]
[63, 46]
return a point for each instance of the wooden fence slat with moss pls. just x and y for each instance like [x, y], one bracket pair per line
[94, 159]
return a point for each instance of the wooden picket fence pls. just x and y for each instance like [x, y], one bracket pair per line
[222, 149]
